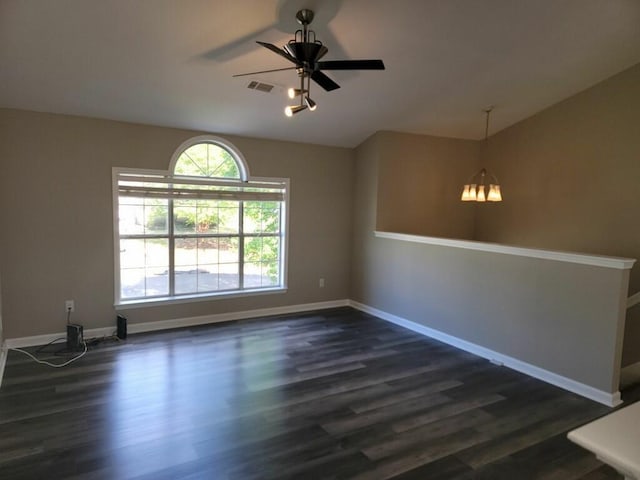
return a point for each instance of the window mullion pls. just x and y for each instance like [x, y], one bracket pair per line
[172, 244]
[241, 244]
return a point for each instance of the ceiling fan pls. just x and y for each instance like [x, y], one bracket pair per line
[305, 52]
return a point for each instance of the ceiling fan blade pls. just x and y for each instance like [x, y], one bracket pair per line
[279, 51]
[351, 65]
[264, 71]
[324, 81]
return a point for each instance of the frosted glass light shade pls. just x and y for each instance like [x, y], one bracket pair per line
[498, 193]
[480, 196]
[465, 194]
[492, 196]
[473, 192]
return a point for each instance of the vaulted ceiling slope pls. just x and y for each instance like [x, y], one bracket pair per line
[170, 63]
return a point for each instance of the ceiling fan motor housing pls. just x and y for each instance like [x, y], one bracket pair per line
[306, 52]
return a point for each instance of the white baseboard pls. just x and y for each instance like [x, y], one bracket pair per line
[179, 322]
[22, 342]
[230, 316]
[600, 396]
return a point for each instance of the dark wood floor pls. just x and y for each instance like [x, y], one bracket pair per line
[334, 394]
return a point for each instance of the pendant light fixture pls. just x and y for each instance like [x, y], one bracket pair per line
[483, 186]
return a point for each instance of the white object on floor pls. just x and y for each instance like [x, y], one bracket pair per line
[615, 440]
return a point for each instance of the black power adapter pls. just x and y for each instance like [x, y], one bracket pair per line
[75, 337]
[122, 327]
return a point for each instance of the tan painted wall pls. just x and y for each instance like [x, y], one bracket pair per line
[570, 177]
[564, 318]
[364, 216]
[571, 180]
[420, 185]
[57, 229]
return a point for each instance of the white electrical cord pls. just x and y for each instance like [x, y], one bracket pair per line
[54, 365]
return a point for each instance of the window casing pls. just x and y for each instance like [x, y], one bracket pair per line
[200, 230]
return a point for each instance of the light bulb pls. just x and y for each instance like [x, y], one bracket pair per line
[292, 93]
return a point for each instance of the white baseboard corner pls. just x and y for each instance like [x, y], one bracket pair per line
[600, 396]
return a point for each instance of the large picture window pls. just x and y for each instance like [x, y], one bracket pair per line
[201, 229]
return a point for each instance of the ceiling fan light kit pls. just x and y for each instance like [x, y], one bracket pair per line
[305, 52]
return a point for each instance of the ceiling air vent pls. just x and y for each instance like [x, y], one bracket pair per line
[261, 87]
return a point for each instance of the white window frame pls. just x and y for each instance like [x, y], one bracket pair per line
[244, 180]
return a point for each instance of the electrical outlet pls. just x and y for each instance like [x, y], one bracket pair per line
[321, 283]
[69, 306]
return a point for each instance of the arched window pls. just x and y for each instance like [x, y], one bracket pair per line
[202, 229]
[210, 157]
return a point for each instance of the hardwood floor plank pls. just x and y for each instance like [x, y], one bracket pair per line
[412, 439]
[447, 468]
[384, 414]
[502, 445]
[399, 396]
[389, 467]
[444, 411]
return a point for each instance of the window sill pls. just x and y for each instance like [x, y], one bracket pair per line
[208, 297]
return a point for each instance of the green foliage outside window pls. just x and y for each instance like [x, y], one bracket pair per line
[207, 160]
[221, 216]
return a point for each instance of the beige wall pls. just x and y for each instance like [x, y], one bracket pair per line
[561, 317]
[420, 185]
[631, 347]
[56, 217]
[571, 180]
[365, 206]
[570, 177]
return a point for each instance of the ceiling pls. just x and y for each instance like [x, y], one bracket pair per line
[170, 62]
